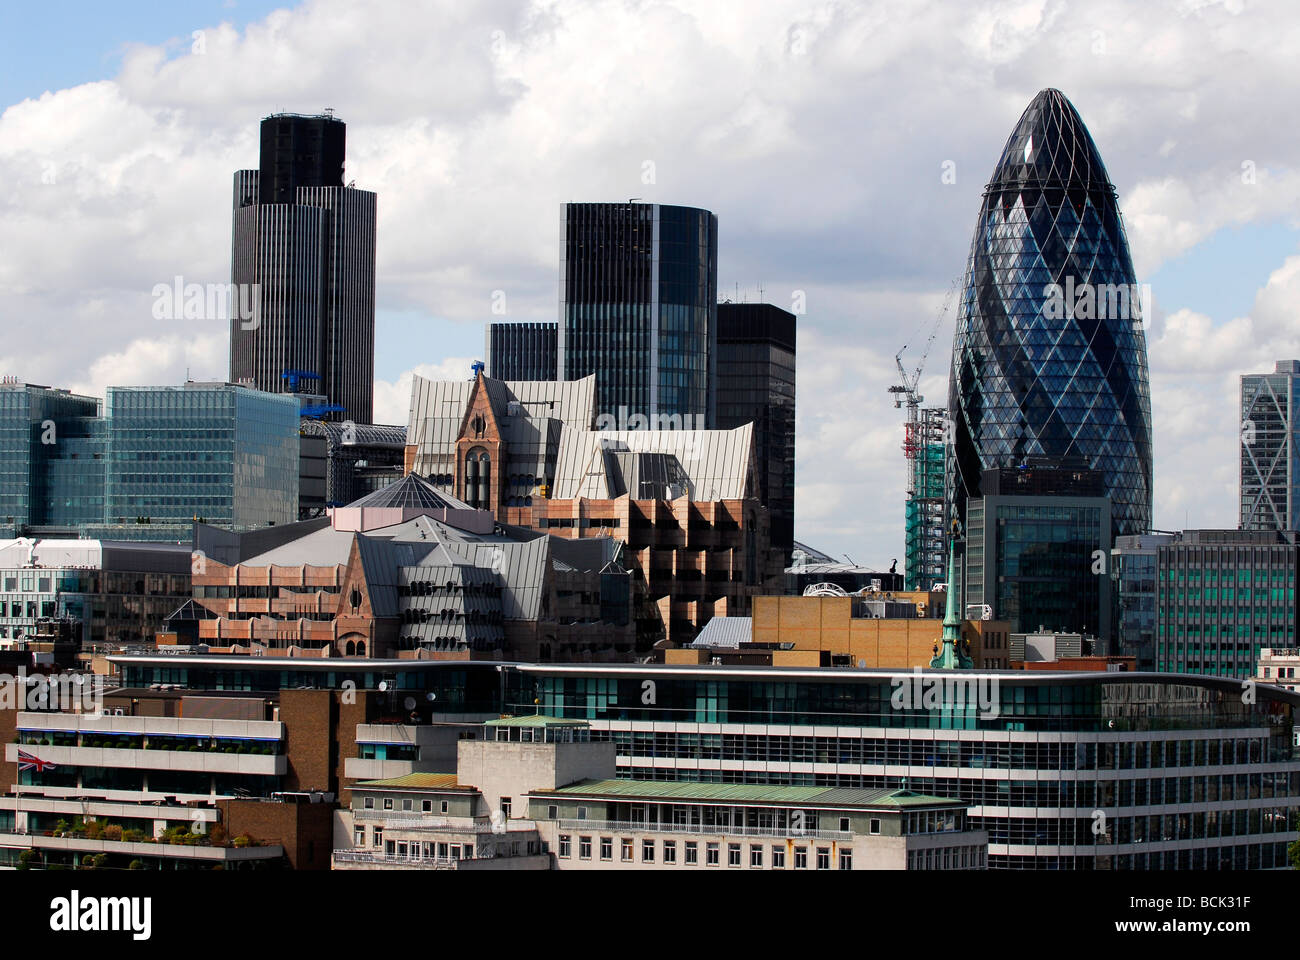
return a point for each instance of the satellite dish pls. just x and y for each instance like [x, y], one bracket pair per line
[433, 697]
[383, 685]
[409, 703]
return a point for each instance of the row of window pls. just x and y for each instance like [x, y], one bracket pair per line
[942, 753]
[667, 850]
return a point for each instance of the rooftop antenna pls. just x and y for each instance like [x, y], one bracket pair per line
[329, 112]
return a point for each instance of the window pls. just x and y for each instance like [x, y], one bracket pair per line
[444, 806]
[625, 851]
[505, 806]
[647, 851]
[801, 858]
[875, 825]
[692, 852]
[582, 813]
[778, 858]
[359, 837]
[846, 859]
[377, 837]
[670, 851]
[823, 858]
[733, 854]
[552, 812]
[755, 855]
[844, 824]
[406, 804]
[711, 851]
[564, 846]
[426, 806]
[607, 848]
[584, 848]
[388, 803]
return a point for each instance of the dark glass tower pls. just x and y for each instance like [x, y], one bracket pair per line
[755, 364]
[521, 351]
[1041, 371]
[638, 307]
[306, 244]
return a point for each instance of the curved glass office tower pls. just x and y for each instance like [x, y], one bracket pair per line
[1049, 359]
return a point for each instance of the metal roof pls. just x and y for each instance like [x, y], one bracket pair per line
[680, 790]
[708, 465]
[411, 492]
[729, 632]
[416, 781]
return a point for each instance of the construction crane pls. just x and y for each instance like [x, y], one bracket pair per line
[923, 440]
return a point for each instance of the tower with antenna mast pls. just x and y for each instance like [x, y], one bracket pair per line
[924, 449]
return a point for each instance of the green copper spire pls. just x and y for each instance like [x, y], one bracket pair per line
[950, 656]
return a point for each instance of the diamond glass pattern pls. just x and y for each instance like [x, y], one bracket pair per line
[1033, 377]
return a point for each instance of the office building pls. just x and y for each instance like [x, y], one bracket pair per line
[871, 630]
[756, 384]
[303, 255]
[1278, 665]
[684, 503]
[221, 453]
[342, 462]
[41, 480]
[1192, 775]
[110, 592]
[521, 351]
[1037, 549]
[409, 572]
[1049, 358]
[148, 461]
[1270, 455]
[638, 308]
[1222, 596]
[1134, 579]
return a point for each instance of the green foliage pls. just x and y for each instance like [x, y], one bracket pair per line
[1293, 854]
[136, 865]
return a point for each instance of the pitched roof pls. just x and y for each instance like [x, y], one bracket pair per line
[411, 492]
[704, 465]
[417, 781]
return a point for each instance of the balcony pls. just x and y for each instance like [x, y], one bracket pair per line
[130, 848]
[197, 761]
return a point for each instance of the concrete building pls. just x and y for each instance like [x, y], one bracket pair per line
[110, 592]
[1191, 774]
[536, 792]
[1278, 665]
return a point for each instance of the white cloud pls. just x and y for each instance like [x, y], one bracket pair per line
[816, 131]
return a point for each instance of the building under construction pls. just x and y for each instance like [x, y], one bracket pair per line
[923, 445]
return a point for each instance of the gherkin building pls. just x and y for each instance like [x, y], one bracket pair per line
[1049, 358]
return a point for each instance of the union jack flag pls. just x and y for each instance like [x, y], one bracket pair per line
[27, 762]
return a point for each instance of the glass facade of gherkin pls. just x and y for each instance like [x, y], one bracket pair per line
[1051, 371]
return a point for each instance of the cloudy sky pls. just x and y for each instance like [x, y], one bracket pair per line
[819, 133]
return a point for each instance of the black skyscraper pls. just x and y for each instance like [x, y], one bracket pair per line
[755, 360]
[638, 308]
[306, 243]
[521, 351]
